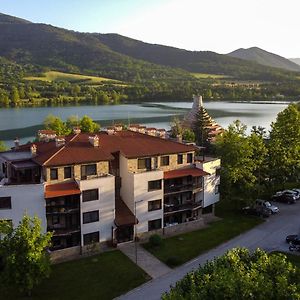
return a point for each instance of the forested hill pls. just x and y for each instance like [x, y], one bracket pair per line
[64, 50]
[117, 57]
[265, 58]
[193, 61]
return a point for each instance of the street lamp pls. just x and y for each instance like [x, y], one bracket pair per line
[135, 230]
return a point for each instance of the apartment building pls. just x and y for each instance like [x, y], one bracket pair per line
[106, 187]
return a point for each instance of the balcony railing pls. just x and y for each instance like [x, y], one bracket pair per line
[188, 205]
[172, 189]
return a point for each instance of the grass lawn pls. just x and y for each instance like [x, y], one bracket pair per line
[61, 76]
[179, 249]
[103, 276]
[184, 247]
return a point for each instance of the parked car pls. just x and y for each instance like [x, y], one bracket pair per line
[293, 238]
[267, 205]
[297, 192]
[256, 211]
[292, 192]
[284, 197]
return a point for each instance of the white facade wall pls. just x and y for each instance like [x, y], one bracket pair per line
[105, 205]
[25, 199]
[211, 182]
[127, 183]
[135, 194]
[142, 196]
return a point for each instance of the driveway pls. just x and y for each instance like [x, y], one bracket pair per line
[269, 236]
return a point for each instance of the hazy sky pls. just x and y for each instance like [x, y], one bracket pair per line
[216, 25]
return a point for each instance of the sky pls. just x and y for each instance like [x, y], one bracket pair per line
[216, 25]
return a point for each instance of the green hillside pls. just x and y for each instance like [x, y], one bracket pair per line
[263, 57]
[193, 61]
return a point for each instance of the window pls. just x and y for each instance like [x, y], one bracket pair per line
[154, 224]
[144, 163]
[154, 185]
[90, 238]
[217, 189]
[67, 172]
[165, 161]
[189, 158]
[154, 205]
[91, 216]
[5, 202]
[179, 159]
[87, 170]
[55, 219]
[90, 195]
[53, 174]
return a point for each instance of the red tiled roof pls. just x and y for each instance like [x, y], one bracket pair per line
[61, 189]
[195, 172]
[124, 216]
[78, 149]
[46, 131]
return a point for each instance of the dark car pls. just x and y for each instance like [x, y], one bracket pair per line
[255, 211]
[293, 192]
[293, 238]
[284, 197]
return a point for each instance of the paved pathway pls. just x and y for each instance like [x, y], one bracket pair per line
[145, 260]
[269, 236]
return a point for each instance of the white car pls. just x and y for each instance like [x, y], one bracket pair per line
[266, 204]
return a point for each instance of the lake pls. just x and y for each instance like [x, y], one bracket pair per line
[24, 122]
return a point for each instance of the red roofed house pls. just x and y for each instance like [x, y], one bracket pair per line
[106, 187]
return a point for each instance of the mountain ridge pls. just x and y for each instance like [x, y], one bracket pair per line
[264, 57]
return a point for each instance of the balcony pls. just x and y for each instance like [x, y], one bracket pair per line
[61, 210]
[188, 205]
[190, 187]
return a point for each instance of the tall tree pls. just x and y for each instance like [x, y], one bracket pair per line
[88, 125]
[23, 251]
[56, 124]
[284, 145]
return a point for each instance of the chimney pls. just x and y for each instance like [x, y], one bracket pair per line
[179, 138]
[60, 141]
[17, 143]
[33, 149]
[94, 140]
[110, 130]
[76, 130]
[118, 127]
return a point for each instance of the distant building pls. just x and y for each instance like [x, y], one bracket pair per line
[107, 187]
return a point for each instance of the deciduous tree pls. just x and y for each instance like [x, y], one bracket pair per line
[23, 251]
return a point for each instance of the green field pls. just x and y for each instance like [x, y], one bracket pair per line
[61, 76]
[209, 76]
[179, 249]
[104, 276]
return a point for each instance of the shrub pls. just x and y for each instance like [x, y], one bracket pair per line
[155, 240]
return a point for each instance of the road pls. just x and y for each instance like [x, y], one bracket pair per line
[269, 236]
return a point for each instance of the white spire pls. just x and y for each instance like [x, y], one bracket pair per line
[197, 102]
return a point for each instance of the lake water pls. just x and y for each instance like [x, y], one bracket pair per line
[24, 122]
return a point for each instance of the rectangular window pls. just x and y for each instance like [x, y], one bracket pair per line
[154, 185]
[189, 158]
[53, 174]
[165, 161]
[144, 163]
[154, 205]
[5, 202]
[90, 195]
[67, 172]
[91, 238]
[91, 216]
[179, 159]
[88, 170]
[154, 224]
